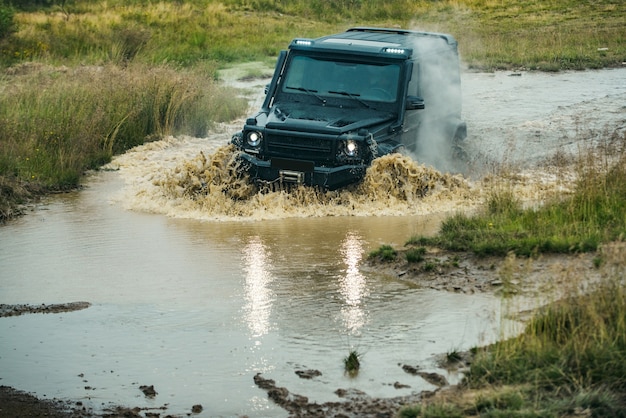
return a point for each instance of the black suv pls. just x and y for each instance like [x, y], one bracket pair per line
[337, 102]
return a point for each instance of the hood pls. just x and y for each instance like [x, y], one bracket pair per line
[324, 119]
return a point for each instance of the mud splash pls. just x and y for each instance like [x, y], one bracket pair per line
[394, 185]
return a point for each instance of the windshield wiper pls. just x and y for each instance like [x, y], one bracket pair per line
[311, 92]
[352, 96]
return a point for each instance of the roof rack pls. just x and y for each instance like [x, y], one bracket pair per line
[448, 38]
[380, 30]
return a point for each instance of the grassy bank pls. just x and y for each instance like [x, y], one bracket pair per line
[57, 122]
[593, 215]
[547, 35]
[570, 360]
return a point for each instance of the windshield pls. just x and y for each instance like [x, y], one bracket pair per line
[355, 80]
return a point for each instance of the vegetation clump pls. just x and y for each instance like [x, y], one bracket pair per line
[385, 253]
[352, 363]
[59, 122]
[415, 255]
[592, 215]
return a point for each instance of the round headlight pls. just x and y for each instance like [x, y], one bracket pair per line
[351, 148]
[254, 138]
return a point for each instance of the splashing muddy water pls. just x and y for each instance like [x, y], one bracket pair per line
[394, 184]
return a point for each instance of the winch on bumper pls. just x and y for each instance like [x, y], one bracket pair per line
[286, 171]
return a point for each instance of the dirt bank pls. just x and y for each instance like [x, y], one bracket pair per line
[468, 273]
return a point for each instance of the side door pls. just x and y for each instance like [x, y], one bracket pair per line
[413, 118]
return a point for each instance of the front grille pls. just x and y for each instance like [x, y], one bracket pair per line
[300, 147]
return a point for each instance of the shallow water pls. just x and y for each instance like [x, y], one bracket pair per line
[198, 308]
[196, 303]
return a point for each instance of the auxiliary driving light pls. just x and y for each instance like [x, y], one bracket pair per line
[253, 138]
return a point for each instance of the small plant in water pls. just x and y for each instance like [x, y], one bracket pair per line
[454, 356]
[352, 362]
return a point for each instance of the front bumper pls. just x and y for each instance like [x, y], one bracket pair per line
[302, 172]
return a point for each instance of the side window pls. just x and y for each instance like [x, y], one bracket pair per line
[414, 84]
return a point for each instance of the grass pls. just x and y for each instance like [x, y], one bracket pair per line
[571, 358]
[59, 122]
[565, 34]
[352, 363]
[384, 253]
[592, 215]
[415, 255]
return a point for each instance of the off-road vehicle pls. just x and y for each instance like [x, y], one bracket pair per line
[337, 102]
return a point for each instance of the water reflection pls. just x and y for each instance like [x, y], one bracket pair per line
[353, 285]
[257, 293]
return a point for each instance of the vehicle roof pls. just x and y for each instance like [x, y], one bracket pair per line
[368, 40]
[403, 37]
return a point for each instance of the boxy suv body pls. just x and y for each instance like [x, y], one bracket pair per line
[336, 103]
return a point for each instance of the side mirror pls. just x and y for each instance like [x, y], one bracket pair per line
[414, 103]
[267, 88]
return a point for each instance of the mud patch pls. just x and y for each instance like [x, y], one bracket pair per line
[15, 403]
[15, 310]
[468, 273]
[356, 403]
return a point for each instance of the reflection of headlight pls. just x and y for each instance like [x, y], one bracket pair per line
[351, 148]
[253, 138]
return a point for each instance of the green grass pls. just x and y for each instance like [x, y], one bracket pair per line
[553, 35]
[572, 355]
[569, 361]
[385, 253]
[592, 215]
[415, 255]
[59, 122]
[352, 363]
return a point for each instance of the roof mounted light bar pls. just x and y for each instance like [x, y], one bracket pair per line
[302, 42]
[399, 51]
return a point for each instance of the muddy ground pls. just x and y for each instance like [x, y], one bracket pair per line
[440, 270]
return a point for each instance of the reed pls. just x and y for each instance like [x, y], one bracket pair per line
[58, 122]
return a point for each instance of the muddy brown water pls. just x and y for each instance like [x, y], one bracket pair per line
[195, 298]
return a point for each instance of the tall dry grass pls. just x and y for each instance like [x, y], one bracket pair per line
[564, 34]
[56, 122]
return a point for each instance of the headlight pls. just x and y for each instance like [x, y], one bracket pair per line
[254, 138]
[351, 148]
